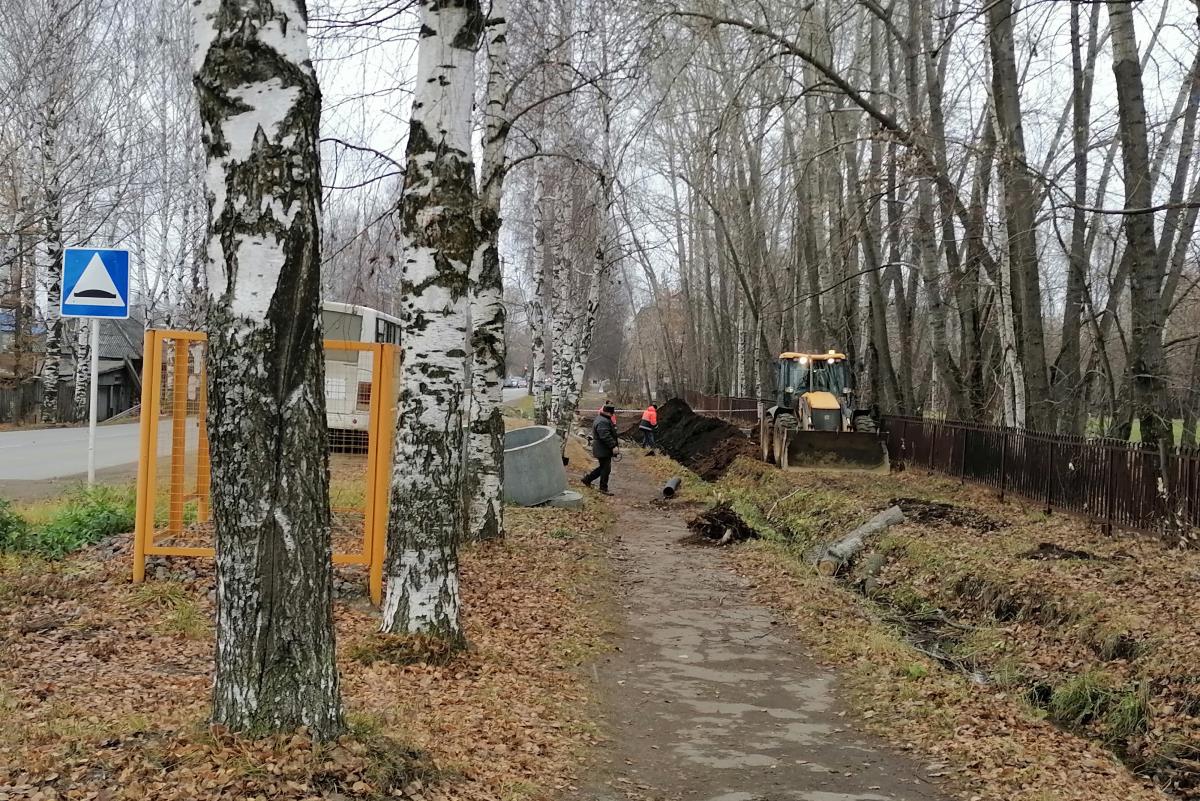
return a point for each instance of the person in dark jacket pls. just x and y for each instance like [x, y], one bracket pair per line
[604, 445]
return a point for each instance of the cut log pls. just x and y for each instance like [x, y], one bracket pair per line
[834, 557]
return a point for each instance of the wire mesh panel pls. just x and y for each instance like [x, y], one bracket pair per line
[174, 476]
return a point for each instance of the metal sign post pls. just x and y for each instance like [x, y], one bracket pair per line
[95, 285]
[94, 323]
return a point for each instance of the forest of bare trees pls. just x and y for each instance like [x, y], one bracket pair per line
[990, 209]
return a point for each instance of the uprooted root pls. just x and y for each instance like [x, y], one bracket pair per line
[918, 510]
[720, 525]
[1048, 550]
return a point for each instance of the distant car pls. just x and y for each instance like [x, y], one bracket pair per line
[513, 383]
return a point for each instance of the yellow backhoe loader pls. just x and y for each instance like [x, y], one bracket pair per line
[815, 422]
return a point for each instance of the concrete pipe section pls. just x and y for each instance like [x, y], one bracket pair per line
[533, 469]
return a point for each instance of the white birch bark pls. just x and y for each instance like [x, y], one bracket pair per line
[438, 238]
[537, 309]
[54, 369]
[1014, 379]
[576, 356]
[562, 342]
[83, 366]
[485, 449]
[259, 107]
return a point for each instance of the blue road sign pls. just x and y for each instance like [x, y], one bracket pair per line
[95, 283]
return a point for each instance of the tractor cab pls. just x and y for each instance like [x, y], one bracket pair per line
[821, 380]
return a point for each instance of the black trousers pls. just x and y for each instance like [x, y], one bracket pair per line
[601, 472]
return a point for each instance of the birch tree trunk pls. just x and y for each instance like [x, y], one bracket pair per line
[260, 106]
[438, 238]
[485, 457]
[56, 328]
[83, 366]
[537, 309]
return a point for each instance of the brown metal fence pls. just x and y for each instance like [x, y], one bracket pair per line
[1121, 484]
[743, 411]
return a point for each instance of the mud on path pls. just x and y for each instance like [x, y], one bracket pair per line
[707, 698]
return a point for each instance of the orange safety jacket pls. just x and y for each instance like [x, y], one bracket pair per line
[649, 418]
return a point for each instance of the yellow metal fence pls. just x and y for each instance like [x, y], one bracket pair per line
[173, 516]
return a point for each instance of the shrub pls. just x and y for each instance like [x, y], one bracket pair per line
[88, 516]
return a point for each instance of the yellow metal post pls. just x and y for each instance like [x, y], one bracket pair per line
[381, 466]
[373, 415]
[203, 470]
[145, 498]
[178, 437]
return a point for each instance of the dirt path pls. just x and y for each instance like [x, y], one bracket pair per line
[707, 698]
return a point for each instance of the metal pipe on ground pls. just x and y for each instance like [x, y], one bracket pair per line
[671, 487]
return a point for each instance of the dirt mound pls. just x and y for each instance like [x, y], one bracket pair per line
[922, 511]
[719, 525]
[705, 445]
[630, 432]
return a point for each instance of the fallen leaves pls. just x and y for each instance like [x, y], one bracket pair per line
[109, 702]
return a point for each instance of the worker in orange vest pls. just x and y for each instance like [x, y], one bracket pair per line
[648, 425]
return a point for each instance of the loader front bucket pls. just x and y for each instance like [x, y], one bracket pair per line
[833, 450]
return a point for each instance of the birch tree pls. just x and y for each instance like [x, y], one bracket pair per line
[259, 104]
[485, 465]
[438, 239]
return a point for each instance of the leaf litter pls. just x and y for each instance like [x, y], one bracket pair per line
[106, 698]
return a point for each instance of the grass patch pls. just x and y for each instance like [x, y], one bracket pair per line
[1092, 699]
[186, 619]
[522, 407]
[182, 615]
[403, 649]
[1081, 700]
[87, 516]
[14, 529]
[1128, 716]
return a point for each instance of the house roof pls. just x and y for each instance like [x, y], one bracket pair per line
[121, 339]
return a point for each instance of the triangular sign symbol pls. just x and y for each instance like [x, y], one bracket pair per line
[95, 286]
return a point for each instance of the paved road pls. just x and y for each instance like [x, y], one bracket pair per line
[62, 452]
